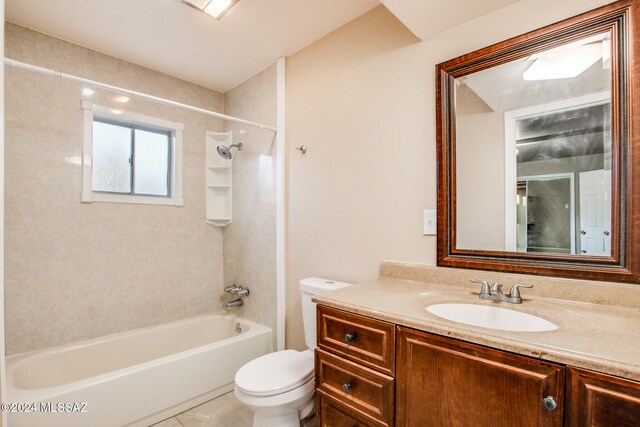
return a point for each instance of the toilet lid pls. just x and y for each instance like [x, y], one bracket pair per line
[275, 373]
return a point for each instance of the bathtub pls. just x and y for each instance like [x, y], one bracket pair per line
[133, 378]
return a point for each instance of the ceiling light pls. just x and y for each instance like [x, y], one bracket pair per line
[88, 92]
[121, 99]
[215, 8]
[567, 61]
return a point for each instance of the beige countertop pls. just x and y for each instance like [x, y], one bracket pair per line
[603, 338]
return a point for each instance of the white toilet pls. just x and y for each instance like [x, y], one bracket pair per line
[279, 387]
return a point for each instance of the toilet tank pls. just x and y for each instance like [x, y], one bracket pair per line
[309, 287]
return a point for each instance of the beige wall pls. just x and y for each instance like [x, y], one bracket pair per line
[250, 241]
[77, 271]
[480, 212]
[362, 99]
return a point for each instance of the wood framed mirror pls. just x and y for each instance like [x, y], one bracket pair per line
[539, 151]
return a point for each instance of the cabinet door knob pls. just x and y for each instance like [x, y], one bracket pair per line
[349, 337]
[347, 387]
[550, 403]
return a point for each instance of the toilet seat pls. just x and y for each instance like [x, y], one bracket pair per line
[275, 373]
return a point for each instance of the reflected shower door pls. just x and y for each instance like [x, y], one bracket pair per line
[549, 215]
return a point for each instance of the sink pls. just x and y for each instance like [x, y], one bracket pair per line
[491, 317]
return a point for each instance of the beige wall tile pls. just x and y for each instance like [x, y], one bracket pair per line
[78, 271]
[249, 241]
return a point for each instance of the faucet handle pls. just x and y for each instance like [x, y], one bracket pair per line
[232, 289]
[484, 291]
[241, 291]
[496, 289]
[514, 293]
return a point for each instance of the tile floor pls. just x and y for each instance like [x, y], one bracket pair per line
[223, 411]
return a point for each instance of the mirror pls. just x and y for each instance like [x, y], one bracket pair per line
[534, 146]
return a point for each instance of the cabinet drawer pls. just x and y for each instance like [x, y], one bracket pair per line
[361, 389]
[332, 415]
[364, 340]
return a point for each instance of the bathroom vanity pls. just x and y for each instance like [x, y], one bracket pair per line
[557, 202]
[383, 360]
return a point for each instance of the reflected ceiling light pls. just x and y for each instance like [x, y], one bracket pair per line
[564, 64]
[121, 99]
[215, 8]
[88, 92]
[114, 111]
[568, 61]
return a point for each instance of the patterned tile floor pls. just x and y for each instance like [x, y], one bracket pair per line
[223, 411]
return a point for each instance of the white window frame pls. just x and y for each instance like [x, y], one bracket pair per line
[91, 111]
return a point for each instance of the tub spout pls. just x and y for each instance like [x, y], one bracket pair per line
[235, 303]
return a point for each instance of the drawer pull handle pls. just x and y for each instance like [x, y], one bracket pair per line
[549, 403]
[350, 337]
[347, 387]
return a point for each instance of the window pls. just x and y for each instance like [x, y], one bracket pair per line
[130, 158]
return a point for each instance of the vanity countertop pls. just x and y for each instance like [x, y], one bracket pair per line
[598, 337]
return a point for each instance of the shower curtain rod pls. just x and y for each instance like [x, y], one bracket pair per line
[132, 93]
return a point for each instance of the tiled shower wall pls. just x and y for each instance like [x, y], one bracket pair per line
[76, 271]
[250, 241]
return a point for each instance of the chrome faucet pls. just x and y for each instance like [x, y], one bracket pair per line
[235, 303]
[240, 291]
[494, 292]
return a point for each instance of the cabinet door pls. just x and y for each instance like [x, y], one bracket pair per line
[444, 382]
[598, 400]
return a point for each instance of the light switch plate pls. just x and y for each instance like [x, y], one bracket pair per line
[429, 225]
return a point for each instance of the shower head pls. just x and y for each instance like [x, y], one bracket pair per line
[225, 151]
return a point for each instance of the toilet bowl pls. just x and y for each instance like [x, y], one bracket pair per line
[279, 387]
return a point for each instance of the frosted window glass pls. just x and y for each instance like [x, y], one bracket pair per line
[111, 154]
[151, 163]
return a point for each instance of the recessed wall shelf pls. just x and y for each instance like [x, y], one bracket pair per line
[218, 176]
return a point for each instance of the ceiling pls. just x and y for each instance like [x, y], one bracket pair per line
[426, 18]
[502, 87]
[173, 38]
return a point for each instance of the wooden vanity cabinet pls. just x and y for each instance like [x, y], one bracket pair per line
[376, 374]
[355, 364]
[599, 400]
[444, 382]
[333, 415]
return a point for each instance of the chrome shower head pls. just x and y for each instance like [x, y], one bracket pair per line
[225, 151]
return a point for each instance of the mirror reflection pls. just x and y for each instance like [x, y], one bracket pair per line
[533, 153]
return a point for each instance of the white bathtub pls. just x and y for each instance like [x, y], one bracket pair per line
[134, 378]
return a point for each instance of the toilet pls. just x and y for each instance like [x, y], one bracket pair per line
[279, 387]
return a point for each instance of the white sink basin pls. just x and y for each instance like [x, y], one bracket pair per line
[491, 317]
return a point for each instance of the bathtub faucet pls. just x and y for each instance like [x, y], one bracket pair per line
[235, 303]
[241, 291]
